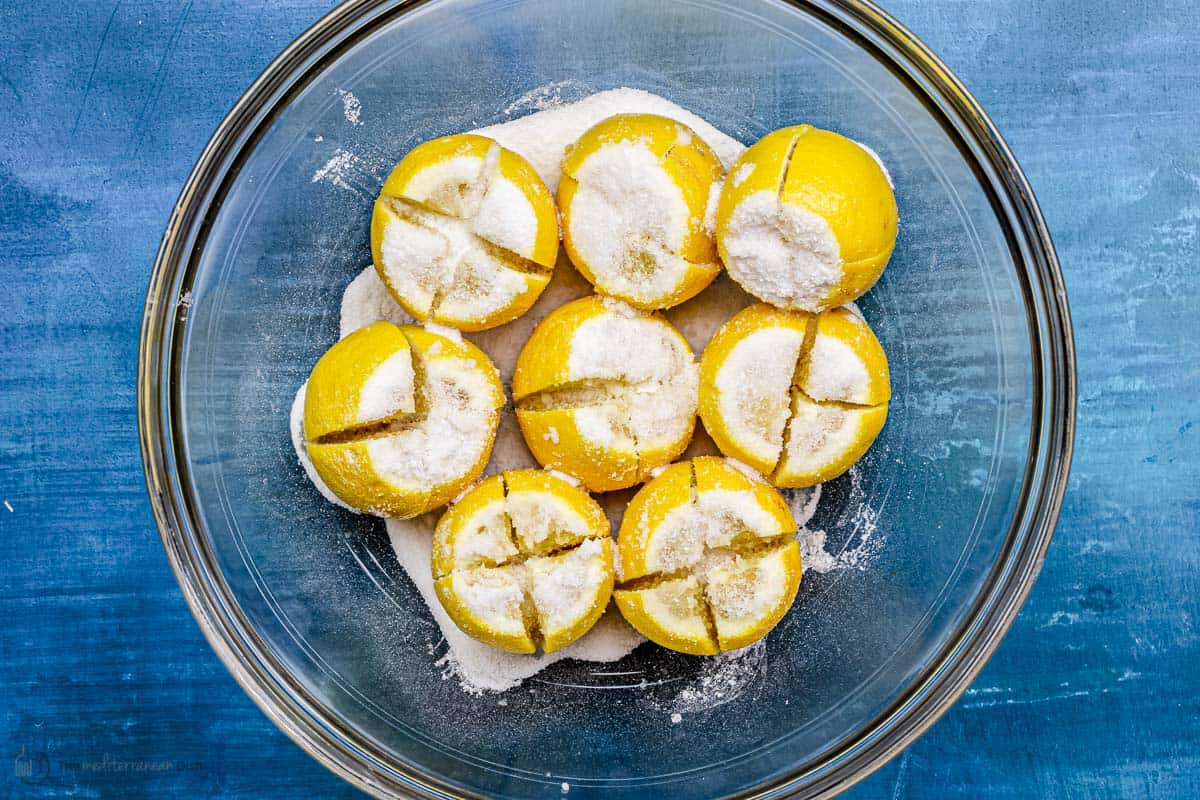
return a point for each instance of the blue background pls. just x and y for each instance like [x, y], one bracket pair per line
[108, 689]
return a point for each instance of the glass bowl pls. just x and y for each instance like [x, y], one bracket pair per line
[307, 605]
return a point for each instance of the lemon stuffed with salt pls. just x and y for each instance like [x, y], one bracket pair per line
[398, 420]
[807, 219]
[524, 561]
[605, 392]
[633, 195]
[800, 397]
[708, 558]
[464, 233]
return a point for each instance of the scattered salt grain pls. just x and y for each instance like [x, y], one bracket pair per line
[571, 479]
[351, 107]
[453, 334]
[336, 170]
[741, 173]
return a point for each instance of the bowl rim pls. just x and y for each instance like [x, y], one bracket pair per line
[352, 756]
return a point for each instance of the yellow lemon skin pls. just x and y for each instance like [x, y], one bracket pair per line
[717, 474]
[481, 511]
[347, 469]
[842, 437]
[670, 614]
[345, 454]
[334, 395]
[690, 166]
[647, 510]
[840, 331]
[456, 188]
[552, 495]
[833, 178]
[781, 570]
[838, 180]
[761, 451]
[556, 439]
[556, 638]
[545, 359]
[509, 633]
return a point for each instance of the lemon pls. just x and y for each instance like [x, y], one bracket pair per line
[605, 392]
[524, 560]
[464, 233]
[708, 558]
[800, 397]
[806, 220]
[634, 194]
[398, 419]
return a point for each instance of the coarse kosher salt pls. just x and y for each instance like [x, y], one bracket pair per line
[781, 253]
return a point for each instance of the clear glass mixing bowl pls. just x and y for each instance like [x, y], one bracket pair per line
[307, 605]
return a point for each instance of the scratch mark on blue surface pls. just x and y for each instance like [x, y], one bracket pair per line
[87, 88]
[1060, 618]
[901, 774]
[160, 73]
[11, 86]
[1030, 701]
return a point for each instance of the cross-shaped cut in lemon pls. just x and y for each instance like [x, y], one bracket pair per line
[397, 420]
[708, 558]
[524, 560]
[605, 392]
[800, 397]
[634, 194]
[807, 219]
[464, 233]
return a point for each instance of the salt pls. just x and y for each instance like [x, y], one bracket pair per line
[542, 138]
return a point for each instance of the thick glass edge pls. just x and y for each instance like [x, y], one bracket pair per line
[910, 716]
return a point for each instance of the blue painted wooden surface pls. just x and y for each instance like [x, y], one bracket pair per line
[107, 688]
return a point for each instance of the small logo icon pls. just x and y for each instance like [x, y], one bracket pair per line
[23, 765]
[30, 766]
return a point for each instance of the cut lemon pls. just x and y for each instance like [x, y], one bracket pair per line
[524, 560]
[708, 558]
[464, 233]
[634, 194]
[807, 219]
[800, 397]
[398, 419]
[605, 393]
